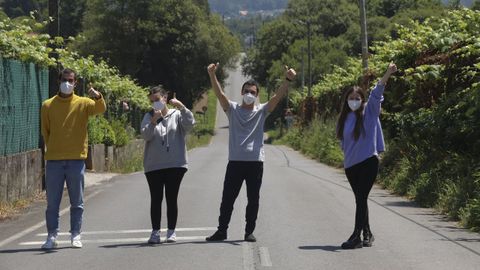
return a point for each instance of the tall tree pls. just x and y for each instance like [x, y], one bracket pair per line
[70, 12]
[164, 42]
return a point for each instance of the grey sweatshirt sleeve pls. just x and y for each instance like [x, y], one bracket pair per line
[186, 120]
[147, 129]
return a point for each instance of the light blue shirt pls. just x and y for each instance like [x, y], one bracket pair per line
[371, 142]
[245, 142]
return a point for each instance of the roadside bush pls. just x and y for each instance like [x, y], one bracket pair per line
[124, 133]
[100, 131]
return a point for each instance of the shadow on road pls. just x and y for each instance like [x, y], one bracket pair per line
[325, 248]
[41, 251]
[229, 242]
[141, 245]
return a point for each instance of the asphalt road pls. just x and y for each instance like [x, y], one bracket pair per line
[306, 212]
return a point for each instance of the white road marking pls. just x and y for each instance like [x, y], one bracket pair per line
[248, 260]
[265, 257]
[119, 240]
[40, 224]
[136, 231]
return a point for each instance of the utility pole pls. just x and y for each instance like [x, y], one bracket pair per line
[303, 69]
[53, 31]
[364, 37]
[309, 58]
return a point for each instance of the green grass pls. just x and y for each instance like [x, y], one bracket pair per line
[135, 164]
[205, 124]
[316, 141]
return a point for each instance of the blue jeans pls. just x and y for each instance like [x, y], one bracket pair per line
[57, 173]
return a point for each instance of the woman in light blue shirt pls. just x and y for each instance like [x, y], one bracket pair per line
[360, 133]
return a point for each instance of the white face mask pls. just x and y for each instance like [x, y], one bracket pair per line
[158, 105]
[66, 88]
[249, 98]
[354, 104]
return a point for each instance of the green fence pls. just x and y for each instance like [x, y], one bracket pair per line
[23, 87]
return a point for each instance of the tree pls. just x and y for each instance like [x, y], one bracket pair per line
[164, 42]
[476, 5]
[15, 8]
[71, 13]
[330, 19]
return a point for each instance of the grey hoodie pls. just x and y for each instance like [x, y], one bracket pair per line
[165, 142]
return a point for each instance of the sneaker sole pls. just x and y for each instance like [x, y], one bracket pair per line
[49, 248]
[216, 240]
[353, 247]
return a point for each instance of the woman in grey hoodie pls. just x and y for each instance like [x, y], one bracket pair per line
[165, 157]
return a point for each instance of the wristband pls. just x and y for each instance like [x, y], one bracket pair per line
[286, 78]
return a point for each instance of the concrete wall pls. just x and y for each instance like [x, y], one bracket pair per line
[20, 175]
[105, 158]
[96, 158]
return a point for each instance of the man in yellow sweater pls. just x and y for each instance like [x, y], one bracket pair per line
[64, 120]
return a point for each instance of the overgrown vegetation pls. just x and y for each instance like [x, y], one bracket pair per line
[430, 116]
[316, 141]
[205, 124]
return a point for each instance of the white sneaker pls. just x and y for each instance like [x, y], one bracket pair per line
[51, 242]
[76, 241]
[154, 237]
[171, 236]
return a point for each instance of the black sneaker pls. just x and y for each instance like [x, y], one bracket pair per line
[355, 241]
[368, 239]
[250, 238]
[217, 236]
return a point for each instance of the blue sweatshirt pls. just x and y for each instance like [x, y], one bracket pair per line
[370, 143]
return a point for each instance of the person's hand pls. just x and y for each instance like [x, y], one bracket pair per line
[212, 68]
[157, 114]
[177, 103]
[392, 68]
[93, 93]
[290, 73]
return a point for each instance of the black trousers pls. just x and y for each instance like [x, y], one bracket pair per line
[237, 171]
[170, 179]
[361, 177]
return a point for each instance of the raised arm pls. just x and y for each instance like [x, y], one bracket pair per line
[282, 90]
[98, 106]
[392, 68]
[376, 96]
[187, 121]
[217, 88]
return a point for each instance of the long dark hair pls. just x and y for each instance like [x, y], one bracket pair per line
[345, 109]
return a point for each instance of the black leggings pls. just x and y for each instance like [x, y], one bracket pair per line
[171, 179]
[361, 177]
[237, 171]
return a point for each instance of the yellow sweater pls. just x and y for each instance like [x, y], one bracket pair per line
[64, 125]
